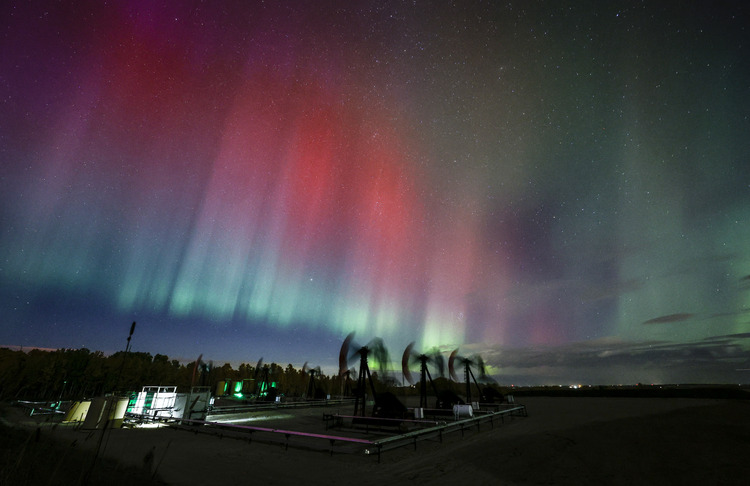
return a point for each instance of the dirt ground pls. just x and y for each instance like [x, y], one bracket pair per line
[562, 441]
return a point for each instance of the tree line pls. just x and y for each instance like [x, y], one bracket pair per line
[73, 374]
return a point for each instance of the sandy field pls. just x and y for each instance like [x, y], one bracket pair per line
[574, 441]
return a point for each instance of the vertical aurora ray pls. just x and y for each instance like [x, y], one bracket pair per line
[467, 174]
[310, 214]
[281, 193]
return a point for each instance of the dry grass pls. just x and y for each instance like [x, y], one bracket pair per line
[34, 453]
[575, 441]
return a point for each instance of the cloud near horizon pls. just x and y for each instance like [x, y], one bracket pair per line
[613, 360]
[679, 317]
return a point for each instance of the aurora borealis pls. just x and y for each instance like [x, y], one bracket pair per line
[561, 186]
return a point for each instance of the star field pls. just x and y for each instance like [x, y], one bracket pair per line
[553, 185]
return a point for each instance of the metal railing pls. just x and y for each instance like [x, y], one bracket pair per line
[250, 407]
[377, 447]
[465, 424]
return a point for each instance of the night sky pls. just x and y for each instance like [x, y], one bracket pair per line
[563, 187]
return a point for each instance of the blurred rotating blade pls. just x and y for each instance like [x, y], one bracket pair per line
[451, 367]
[344, 354]
[437, 357]
[405, 363]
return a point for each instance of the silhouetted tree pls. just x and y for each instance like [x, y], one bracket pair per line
[73, 374]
